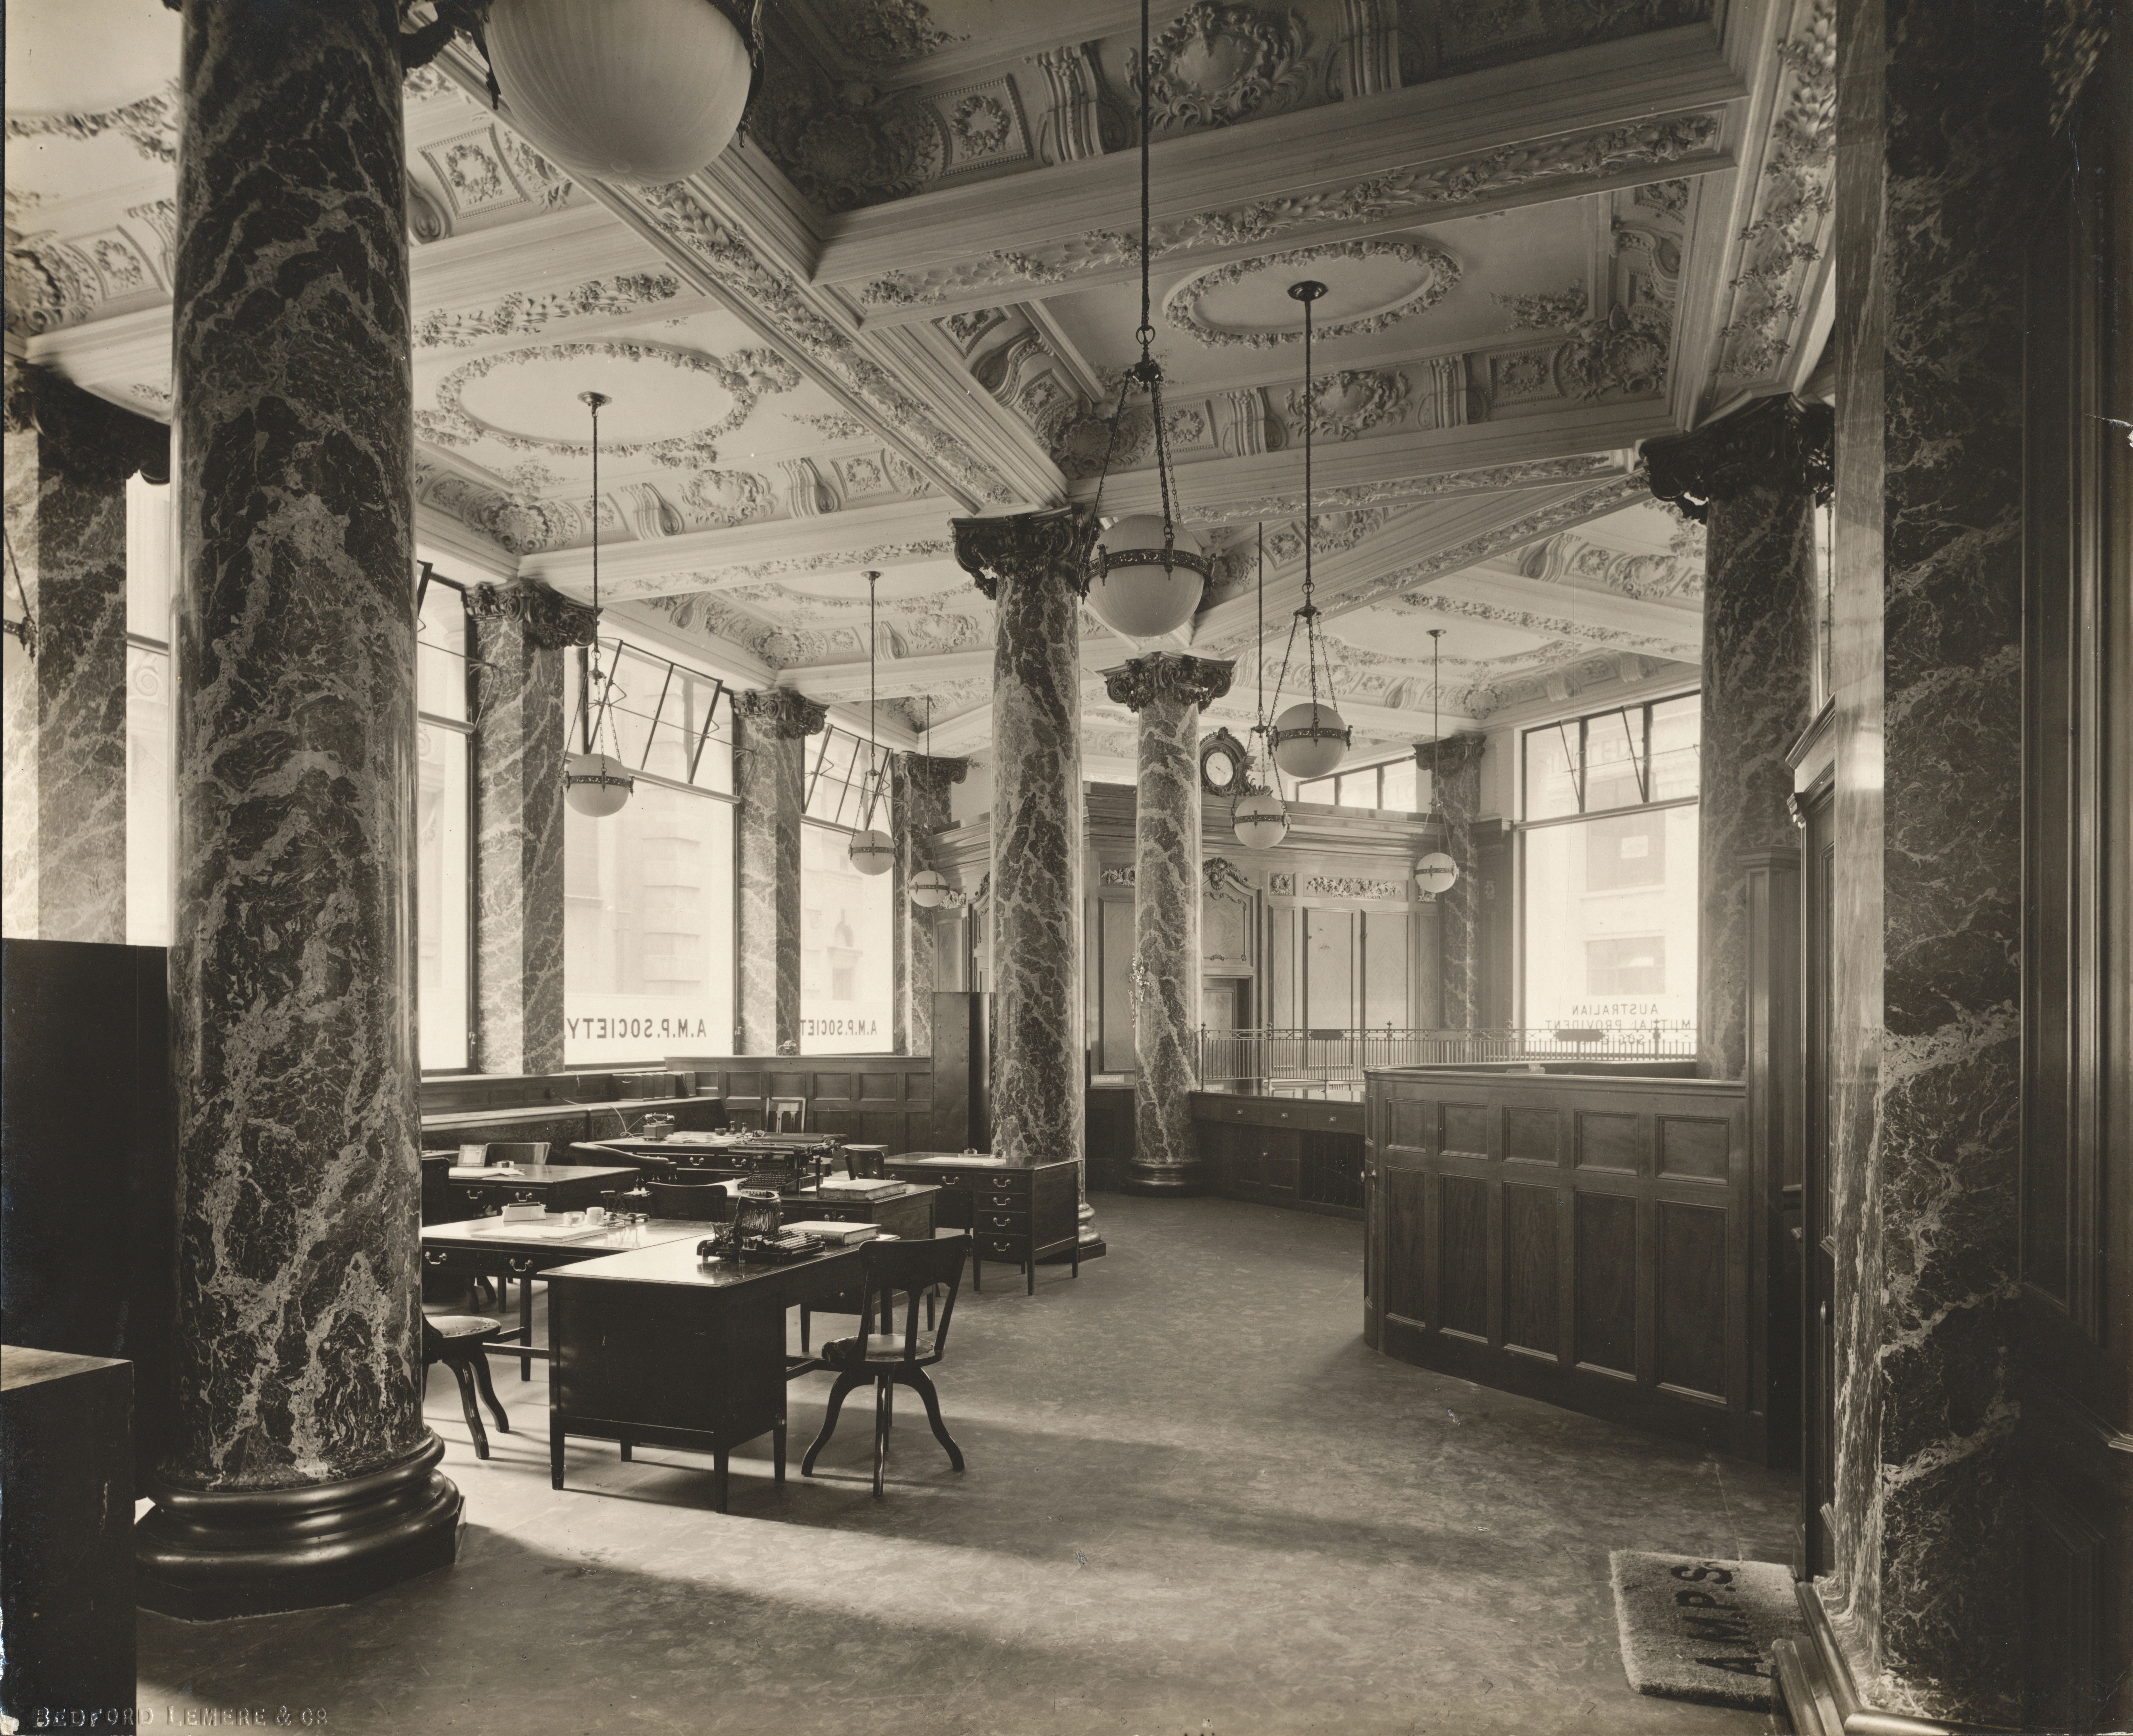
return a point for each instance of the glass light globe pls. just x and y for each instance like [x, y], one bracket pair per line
[646, 91]
[1309, 740]
[1131, 590]
[872, 852]
[930, 889]
[1260, 819]
[597, 784]
[1436, 874]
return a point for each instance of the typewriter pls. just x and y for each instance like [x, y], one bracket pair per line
[757, 1235]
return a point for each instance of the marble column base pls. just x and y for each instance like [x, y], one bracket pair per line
[205, 1556]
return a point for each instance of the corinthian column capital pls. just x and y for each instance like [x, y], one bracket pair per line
[1025, 546]
[1781, 442]
[1169, 674]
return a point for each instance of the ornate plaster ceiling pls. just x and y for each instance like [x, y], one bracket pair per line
[1552, 228]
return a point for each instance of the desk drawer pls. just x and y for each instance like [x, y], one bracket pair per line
[997, 1202]
[823, 1212]
[1001, 1248]
[1002, 1224]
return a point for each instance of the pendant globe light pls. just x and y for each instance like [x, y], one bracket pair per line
[930, 888]
[645, 91]
[1309, 739]
[1259, 816]
[871, 851]
[1148, 573]
[1436, 873]
[597, 784]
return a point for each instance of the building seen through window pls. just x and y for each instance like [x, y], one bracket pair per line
[1609, 881]
[847, 925]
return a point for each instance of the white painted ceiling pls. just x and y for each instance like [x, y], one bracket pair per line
[1551, 229]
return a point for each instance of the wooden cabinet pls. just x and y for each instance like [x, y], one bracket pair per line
[1281, 1151]
[1017, 1213]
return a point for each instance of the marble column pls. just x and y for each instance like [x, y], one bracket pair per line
[1454, 765]
[68, 457]
[1165, 690]
[918, 807]
[770, 730]
[1754, 477]
[520, 634]
[1941, 125]
[300, 1472]
[1032, 565]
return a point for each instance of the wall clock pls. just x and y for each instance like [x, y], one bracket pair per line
[1222, 762]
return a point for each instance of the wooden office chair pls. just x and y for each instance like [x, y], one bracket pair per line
[518, 1151]
[703, 1200]
[457, 1341]
[890, 1359]
[864, 1162]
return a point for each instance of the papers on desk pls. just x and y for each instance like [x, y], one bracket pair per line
[525, 1232]
[835, 1234]
[860, 1190]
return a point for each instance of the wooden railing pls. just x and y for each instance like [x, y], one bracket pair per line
[1320, 1061]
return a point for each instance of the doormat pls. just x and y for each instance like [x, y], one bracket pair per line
[1700, 1630]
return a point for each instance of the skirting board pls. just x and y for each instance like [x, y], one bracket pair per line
[1815, 1689]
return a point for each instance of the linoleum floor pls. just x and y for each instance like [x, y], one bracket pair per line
[1196, 1505]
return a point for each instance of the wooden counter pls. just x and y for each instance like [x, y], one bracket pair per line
[1598, 1242]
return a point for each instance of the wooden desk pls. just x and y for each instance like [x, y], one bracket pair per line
[1017, 1212]
[654, 1346]
[561, 1187]
[488, 1247]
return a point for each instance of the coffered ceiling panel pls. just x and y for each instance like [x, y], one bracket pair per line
[1551, 229]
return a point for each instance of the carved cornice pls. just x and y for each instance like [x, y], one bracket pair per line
[780, 712]
[932, 775]
[1166, 675]
[552, 621]
[1219, 876]
[96, 439]
[1450, 756]
[1025, 546]
[1781, 442]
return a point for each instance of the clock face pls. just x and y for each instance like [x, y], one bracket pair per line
[1222, 763]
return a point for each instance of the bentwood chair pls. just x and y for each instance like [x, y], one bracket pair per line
[890, 1359]
[457, 1341]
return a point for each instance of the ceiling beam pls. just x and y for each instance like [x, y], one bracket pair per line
[1671, 630]
[1292, 176]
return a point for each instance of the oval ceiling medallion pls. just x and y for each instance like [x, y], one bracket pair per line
[1369, 285]
[664, 401]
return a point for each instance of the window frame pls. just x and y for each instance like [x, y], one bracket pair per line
[464, 727]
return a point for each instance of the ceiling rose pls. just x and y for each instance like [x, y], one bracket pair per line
[527, 398]
[1370, 285]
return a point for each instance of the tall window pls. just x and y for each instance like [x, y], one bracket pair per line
[1610, 867]
[648, 914]
[845, 919]
[443, 835]
[1390, 784]
[149, 543]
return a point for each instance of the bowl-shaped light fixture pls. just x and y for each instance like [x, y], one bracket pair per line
[645, 91]
[872, 852]
[1309, 740]
[930, 889]
[597, 784]
[1259, 818]
[1131, 589]
[1436, 874]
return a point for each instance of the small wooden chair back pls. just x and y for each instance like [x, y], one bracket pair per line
[914, 1267]
[520, 1151]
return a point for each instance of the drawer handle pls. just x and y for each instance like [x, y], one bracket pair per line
[433, 1257]
[520, 1266]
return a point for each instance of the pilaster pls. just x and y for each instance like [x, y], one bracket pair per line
[520, 634]
[769, 777]
[1454, 765]
[68, 457]
[918, 806]
[1754, 477]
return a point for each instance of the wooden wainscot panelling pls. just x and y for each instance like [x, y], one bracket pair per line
[1584, 1238]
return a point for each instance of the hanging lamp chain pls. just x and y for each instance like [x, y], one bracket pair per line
[599, 678]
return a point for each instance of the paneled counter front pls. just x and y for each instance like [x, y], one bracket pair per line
[1595, 1238]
